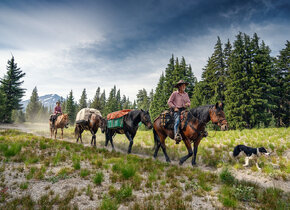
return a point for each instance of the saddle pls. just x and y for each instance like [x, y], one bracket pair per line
[167, 119]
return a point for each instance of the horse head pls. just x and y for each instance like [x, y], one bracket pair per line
[145, 119]
[103, 125]
[217, 116]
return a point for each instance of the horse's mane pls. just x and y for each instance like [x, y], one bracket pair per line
[201, 112]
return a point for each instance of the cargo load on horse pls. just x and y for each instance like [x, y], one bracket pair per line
[91, 120]
[84, 114]
[115, 119]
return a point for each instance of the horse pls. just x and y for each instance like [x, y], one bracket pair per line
[130, 127]
[95, 122]
[60, 122]
[192, 129]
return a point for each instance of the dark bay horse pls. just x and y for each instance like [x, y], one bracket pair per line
[60, 122]
[193, 129]
[130, 126]
[95, 122]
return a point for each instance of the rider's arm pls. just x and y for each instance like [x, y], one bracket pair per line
[170, 101]
[187, 101]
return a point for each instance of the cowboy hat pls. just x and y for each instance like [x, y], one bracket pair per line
[180, 82]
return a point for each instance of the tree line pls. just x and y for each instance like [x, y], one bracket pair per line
[253, 85]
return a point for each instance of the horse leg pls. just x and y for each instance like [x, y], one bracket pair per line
[81, 131]
[128, 135]
[55, 132]
[158, 144]
[111, 141]
[162, 144]
[196, 143]
[62, 133]
[189, 149]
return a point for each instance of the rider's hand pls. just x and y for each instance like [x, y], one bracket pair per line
[187, 104]
[176, 109]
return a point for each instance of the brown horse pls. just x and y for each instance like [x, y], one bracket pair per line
[60, 122]
[95, 122]
[192, 129]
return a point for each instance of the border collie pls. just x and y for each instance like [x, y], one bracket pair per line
[251, 153]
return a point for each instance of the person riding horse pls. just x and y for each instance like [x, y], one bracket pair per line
[57, 112]
[178, 102]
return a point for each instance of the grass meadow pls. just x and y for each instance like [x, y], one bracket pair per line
[39, 172]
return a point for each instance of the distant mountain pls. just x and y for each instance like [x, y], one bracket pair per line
[48, 100]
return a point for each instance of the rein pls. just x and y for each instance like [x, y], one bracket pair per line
[200, 133]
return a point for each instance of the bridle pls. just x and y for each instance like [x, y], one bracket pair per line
[221, 121]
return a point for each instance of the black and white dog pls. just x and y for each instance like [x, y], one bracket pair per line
[251, 153]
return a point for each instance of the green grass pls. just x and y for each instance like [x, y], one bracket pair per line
[52, 161]
[98, 178]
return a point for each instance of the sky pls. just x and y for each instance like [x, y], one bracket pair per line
[65, 45]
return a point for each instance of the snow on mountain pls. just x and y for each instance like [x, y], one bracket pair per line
[48, 100]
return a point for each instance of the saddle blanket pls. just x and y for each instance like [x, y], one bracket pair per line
[84, 114]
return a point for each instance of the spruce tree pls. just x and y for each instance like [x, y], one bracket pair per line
[83, 100]
[96, 103]
[71, 108]
[143, 100]
[11, 87]
[281, 110]
[103, 102]
[235, 96]
[33, 106]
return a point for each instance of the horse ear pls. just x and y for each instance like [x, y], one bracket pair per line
[216, 105]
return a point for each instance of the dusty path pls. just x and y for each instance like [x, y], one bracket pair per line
[245, 174]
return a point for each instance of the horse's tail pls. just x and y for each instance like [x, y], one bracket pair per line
[156, 139]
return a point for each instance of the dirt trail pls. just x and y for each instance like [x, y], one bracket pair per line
[245, 174]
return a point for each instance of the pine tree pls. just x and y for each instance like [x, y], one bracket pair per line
[235, 96]
[112, 105]
[214, 75]
[11, 87]
[103, 102]
[83, 100]
[143, 100]
[33, 106]
[159, 102]
[96, 103]
[71, 108]
[281, 110]
[2, 105]
[118, 100]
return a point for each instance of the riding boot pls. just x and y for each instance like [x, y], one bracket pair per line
[177, 137]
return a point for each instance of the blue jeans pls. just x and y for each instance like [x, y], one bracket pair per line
[176, 121]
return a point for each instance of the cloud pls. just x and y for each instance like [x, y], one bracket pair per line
[64, 45]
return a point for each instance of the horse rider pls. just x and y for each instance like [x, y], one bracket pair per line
[57, 112]
[178, 102]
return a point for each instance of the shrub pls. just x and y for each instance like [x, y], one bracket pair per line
[128, 171]
[98, 178]
[244, 193]
[84, 172]
[108, 204]
[226, 177]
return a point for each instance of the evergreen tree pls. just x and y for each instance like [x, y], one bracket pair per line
[11, 87]
[118, 100]
[143, 100]
[33, 106]
[159, 102]
[71, 108]
[83, 100]
[112, 105]
[235, 96]
[2, 105]
[96, 103]
[198, 97]
[281, 110]
[214, 75]
[103, 102]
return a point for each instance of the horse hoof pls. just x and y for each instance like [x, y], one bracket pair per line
[193, 164]
[180, 163]
[168, 161]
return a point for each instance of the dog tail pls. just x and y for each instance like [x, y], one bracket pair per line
[237, 151]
